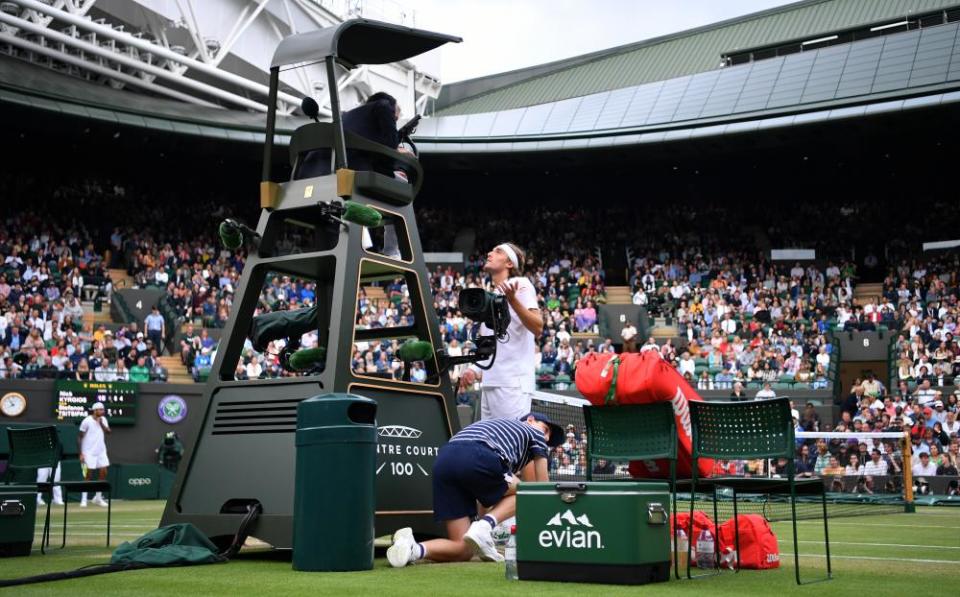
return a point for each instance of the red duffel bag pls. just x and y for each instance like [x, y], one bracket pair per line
[758, 544]
[643, 378]
[594, 377]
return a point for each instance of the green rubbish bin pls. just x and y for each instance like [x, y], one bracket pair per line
[334, 497]
[18, 516]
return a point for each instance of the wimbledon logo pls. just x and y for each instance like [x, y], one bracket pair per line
[569, 536]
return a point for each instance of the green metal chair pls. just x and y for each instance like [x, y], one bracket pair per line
[39, 447]
[32, 448]
[634, 432]
[743, 431]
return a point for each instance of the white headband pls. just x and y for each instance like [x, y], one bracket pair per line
[511, 254]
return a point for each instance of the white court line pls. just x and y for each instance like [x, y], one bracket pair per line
[865, 524]
[874, 544]
[873, 558]
[102, 525]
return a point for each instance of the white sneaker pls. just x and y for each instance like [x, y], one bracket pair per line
[480, 537]
[40, 502]
[401, 552]
[100, 501]
[57, 502]
[83, 503]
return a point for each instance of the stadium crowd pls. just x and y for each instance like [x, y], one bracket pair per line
[746, 320]
[48, 266]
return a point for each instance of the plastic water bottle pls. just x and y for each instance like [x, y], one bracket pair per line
[705, 546]
[510, 555]
[501, 532]
[682, 545]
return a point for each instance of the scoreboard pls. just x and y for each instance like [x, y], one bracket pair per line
[74, 399]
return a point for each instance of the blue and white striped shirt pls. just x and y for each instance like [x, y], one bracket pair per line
[514, 441]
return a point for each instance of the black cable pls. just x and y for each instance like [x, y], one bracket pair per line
[253, 511]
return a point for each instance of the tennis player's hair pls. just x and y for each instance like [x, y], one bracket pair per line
[521, 255]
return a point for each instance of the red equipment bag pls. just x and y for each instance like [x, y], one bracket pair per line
[700, 521]
[595, 373]
[643, 378]
[758, 544]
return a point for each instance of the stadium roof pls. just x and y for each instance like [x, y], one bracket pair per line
[684, 53]
[903, 71]
[26, 84]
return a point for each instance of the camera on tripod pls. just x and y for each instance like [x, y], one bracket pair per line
[487, 308]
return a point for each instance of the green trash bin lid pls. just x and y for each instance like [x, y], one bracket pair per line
[333, 410]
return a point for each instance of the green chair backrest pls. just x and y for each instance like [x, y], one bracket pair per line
[32, 448]
[742, 430]
[631, 432]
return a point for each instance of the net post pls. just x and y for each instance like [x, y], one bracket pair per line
[909, 506]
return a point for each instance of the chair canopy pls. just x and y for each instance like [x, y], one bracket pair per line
[358, 41]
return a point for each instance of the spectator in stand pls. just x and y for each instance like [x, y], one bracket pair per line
[876, 466]
[139, 373]
[924, 468]
[738, 394]
[156, 328]
[766, 392]
[629, 336]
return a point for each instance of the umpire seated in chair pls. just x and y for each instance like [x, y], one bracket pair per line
[376, 120]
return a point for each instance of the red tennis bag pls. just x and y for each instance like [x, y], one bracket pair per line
[758, 544]
[643, 378]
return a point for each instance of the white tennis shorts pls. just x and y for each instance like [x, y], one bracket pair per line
[95, 461]
[504, 403]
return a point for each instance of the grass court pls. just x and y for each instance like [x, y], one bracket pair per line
[889, 554]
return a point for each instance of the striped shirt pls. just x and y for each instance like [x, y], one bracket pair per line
[516, 442]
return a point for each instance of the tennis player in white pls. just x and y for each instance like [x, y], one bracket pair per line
[93, 449]
[508, 386]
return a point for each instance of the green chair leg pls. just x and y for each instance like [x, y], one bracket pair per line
[66, 500]
[796, 540]
[826, 533]
[736, 530]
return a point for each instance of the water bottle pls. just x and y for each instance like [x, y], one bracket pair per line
[682, 545]
[510, 555]
[705, 546]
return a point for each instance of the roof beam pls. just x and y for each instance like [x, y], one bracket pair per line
[102, 70]
[133, 63]
[239, 27]
[160, 51]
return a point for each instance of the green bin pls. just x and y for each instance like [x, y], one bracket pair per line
[18, 516]
[607, 532]
[334, 497]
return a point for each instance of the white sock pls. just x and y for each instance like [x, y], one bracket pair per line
[83, 497]
[418, 551]
[491, 520]
[98, 497]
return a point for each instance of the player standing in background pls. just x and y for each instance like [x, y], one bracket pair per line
[93, 449]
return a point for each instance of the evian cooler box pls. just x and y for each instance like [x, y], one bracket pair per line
[602, 532]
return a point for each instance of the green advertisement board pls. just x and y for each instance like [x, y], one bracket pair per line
[135, 481]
